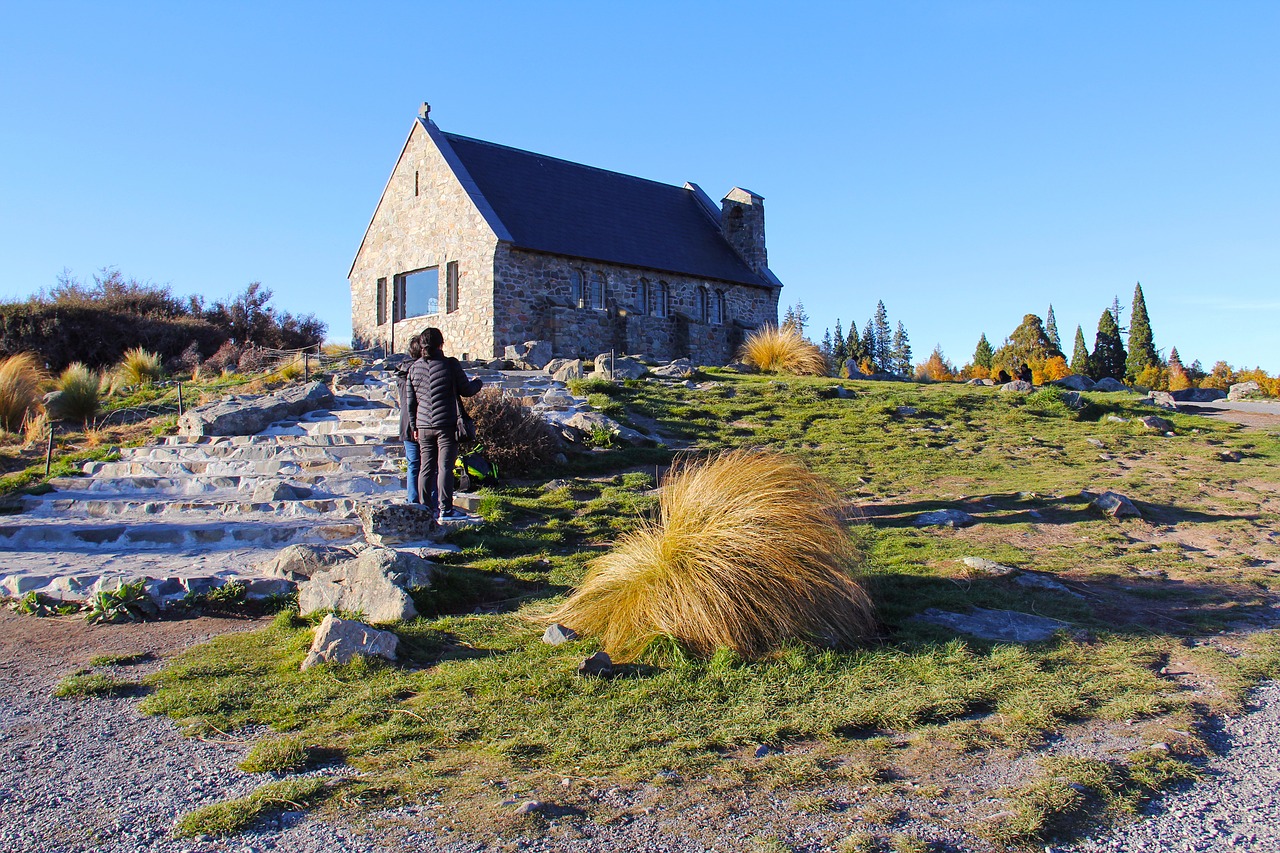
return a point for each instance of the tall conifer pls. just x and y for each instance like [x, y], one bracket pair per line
[839, 350]
[982, 353]
[1080, 357]
[901, 351]
[1051, 329]
[1142, 349]
[883, 337]
[869, 344]
[1108, 358]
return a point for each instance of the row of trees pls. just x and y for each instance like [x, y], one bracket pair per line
[876, 350]
[95, 323]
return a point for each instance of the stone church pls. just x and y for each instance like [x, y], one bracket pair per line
[495, 246]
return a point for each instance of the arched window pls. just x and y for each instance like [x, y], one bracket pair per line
[701, 309]
[596, 293]
[642, 296]
[717, 308]
[578, 290]
[660, 300]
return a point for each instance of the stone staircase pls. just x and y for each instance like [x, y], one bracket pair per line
[202, 510]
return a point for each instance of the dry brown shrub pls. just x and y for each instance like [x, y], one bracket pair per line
[748, 552]
[513, 438]
[21, 378]
[783, 350]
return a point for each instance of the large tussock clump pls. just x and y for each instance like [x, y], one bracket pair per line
[748, 551]
[782, 350]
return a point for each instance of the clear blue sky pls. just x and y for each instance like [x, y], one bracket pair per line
[966, 162]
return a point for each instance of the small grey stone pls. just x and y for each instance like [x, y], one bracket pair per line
[599, 665]
[983, 566]
[529, 807]
[944, 518]
[1230, 455]
[764, 750]
[1096, 442]
[340, 640]
[1156, 423]
[556, 635]
[1116, 505]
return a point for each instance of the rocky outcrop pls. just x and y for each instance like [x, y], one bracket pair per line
[618, 367]
[251, 414]
[681, 368]
[1244, 390]
[300, 562]
[1106, 383]
[531, 355]
[582, 425]
[374, 583]
[1075, 382]
[340, 640]
[397, 523]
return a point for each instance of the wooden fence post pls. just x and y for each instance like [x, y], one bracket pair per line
[48, 454]
[180, 412]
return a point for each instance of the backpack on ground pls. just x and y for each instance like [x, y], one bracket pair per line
[472, 470]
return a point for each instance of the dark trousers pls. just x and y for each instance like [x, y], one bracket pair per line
[435, 479]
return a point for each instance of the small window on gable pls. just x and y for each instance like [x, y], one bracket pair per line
[642, 296]
[717, 308]
[701, 309]
[415, 184]
[660, 300]
[451, 287]
[382, 301]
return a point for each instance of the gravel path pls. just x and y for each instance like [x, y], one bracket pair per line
[1237, 806]
[95, 775]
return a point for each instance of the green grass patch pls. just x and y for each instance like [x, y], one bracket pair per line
[232, 816]
[122, 659]
[89, 685]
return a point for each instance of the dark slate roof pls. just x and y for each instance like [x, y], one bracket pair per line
[551, 205]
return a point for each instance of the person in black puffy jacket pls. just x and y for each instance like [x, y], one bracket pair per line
[435, 384]
[412, 457]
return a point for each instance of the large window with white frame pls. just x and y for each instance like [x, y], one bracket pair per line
[417, 293]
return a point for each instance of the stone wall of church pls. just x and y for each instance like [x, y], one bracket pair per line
[425, 219]
[535, 298]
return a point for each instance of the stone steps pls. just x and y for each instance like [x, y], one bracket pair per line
[277, 468]
[134, 536]
[226, 505]
[145, 486]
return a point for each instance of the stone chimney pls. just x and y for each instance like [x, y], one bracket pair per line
[742, 221]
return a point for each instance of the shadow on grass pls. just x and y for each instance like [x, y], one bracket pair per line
[1013, 508]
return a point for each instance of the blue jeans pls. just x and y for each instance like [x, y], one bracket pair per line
[413, 455]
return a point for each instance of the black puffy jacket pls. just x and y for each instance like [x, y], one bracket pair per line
[435, 384]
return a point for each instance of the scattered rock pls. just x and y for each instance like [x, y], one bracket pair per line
[587, 423]
[247, 415]
[1161, 399]
[1018, 385]
[1074, 382]
[1115, 505]
[740, 367]
[1096, 442]
[907, 411]
[1116, 419]
[986, 383]
[1155, 423]
[619, 367]
[340, 640]
[531, 355]
[557, 635]
[990, 568]
[375, 583]
[529, 807]
[944, 518]
[599, 665]
[1106, 383]
[300, 562]
[1230, 455]
[1244, 390]
[565, 369]
[1036, 580]
[681, 368]
[764, 751]
[1006, 626]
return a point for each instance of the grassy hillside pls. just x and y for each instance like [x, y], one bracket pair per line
[1170, 621]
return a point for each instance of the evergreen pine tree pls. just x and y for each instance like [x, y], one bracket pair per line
[796, 317]
[839, 349]
[1108, 356]
[852, 345]
[868, 344]
[883, 338]
[1175, 360]
[1116, 311]
[1080, 357]
[1051, 329]
[1142, 349]
[982, 353]
[828, 351]
[901, 351]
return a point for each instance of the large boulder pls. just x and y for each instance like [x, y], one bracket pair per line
[618, 367]
[585, 424]
[564, 369]
[300, 562]
[1115, 505]
[1106, 383]
[248, 415]
[1019, 386]
[397, 523]
[1198, 395]
[531, 355]
[374, 583]
[1001, 626]
[1160, 399]
[1075, 382]
[681, 368]
[340, 640]
[1244, 390]
[1154, 423]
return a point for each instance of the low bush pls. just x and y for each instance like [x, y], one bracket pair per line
[513, 438]
[783, 350]
[20, 379]
[138, 367]
[81, 394]
[748, 552]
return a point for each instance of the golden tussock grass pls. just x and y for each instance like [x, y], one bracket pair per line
[21, 378]
[747, 552]
[782, 350]
[81, 393]
[138, 367]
